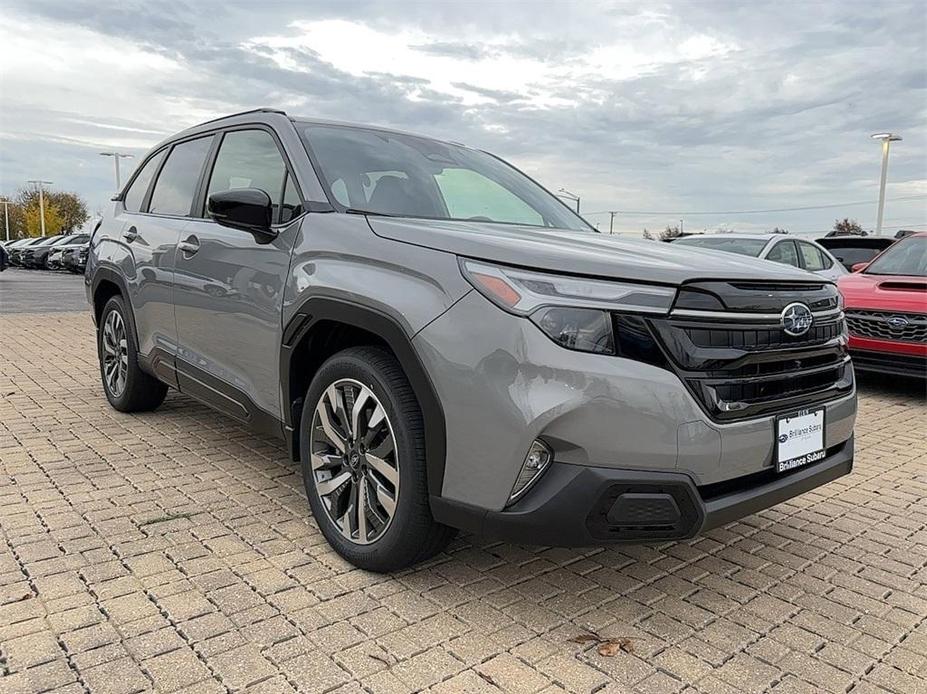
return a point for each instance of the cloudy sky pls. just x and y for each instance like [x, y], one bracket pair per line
[659, 110]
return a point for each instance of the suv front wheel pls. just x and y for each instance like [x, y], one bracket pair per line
[127, 387]
[362, 445]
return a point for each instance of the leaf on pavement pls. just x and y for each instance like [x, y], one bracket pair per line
[612, 647]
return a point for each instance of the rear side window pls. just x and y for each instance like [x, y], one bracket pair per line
[250, 159]
[812, 258]
[136, 192]
[784, 252]
[176, 185]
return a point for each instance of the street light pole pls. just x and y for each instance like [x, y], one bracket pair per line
[887, 139]
[570, 196]
[116, 156]
[39, 184]
[6, 217]
[611, 221]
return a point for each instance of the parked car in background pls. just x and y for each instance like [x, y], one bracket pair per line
[55, 258]
[851, 249]
[445, 344]
[34, 256]
[75, 259]
[886, 309]
[779, 248]
[16, 249]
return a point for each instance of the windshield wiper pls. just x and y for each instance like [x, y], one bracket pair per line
[356, 210]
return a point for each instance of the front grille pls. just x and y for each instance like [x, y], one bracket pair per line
[741, 364]
[885, 325]
[760, 338]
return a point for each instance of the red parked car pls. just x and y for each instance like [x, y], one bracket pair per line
[886, 309]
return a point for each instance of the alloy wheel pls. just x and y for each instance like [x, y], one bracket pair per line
[115, 353]
[355, 464]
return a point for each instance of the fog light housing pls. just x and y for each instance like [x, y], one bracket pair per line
[536, 462]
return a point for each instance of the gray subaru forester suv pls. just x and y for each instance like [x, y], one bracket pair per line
[445, 345]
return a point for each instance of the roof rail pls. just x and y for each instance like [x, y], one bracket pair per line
[263, 109]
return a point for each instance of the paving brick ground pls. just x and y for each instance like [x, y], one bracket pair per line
[173, 551]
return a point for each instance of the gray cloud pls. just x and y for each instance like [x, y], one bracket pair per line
[780, 119]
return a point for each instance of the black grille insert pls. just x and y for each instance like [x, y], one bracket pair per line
[738, 366]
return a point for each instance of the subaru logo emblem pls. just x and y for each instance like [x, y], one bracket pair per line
[898, 322]
[796, 319]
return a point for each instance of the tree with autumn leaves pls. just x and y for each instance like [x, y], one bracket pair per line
[64, 212]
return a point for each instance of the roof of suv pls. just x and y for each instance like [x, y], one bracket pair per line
[232, 118]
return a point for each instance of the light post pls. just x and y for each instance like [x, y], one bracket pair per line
[6, 217]
[116, 156]
[887, 140]
[39, 184]
[569, 196]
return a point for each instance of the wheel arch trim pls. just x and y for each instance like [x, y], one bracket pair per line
[317, 309]
[105, 274]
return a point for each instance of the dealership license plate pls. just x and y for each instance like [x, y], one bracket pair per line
[799, 439]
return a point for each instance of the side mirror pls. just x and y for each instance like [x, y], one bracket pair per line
[858, 267]
[247, 209]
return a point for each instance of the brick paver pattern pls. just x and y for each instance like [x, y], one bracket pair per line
[174, 551]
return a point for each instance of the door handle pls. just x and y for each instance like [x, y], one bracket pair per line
[189, 246]
[130, 234]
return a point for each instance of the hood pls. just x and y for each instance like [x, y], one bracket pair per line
[907, 294]
[581, 253]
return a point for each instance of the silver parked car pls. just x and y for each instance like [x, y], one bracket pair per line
[445, 345]
[779, 248]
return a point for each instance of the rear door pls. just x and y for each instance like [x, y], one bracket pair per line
[228, 287]
[157, 206]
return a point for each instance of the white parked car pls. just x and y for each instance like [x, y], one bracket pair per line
[780, 248]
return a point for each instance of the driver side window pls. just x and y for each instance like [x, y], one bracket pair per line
[250, 159]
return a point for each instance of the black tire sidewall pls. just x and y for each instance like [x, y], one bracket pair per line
[121, 402]
[393, 549]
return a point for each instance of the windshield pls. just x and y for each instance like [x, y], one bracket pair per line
[406, 176]
[48, 240]
[751, 247]
[906, 257]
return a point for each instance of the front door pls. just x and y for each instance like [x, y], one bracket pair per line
[228, 287]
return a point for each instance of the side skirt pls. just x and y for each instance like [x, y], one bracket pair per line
[211, 391]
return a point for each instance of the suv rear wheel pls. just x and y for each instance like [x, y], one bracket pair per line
[127, 387]
[363, 460]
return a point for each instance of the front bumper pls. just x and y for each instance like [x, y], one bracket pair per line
[577, 506]
[889, 356]
[502, 383]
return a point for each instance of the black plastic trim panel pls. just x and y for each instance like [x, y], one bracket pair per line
[316, 309]
[563, 508]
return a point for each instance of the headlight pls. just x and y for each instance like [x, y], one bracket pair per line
[523, 291]
[583, 329]
[574, 312]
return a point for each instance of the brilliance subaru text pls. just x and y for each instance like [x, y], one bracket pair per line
[444, 345]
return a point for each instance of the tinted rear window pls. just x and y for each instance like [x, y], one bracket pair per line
[752, 247]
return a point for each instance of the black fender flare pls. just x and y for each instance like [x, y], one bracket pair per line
[105, 274]
[319, 308]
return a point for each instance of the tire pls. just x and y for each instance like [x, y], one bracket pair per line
[133, 390]
[389, 409]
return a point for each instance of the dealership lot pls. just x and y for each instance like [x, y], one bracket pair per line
[173, 551]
